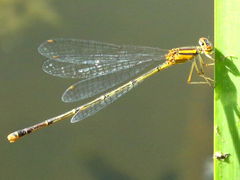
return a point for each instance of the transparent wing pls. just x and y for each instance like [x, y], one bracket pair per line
[96, 105]
[90, 87]
[86, 71]
[93, 52]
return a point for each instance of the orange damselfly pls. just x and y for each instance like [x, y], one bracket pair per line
[102, 66]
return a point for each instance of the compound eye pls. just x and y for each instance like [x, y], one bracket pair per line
[204, 42]
[201, 43]
[207, 43]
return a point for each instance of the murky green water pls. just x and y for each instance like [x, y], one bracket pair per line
[161, 130]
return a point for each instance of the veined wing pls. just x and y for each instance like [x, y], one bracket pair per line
[98, 104]
[91, 87]
[87, 71]
[93, 52]
[101, 102]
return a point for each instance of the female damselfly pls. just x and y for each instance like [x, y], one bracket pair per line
[102, 66]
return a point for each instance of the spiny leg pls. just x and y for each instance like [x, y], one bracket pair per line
[209, 64]
[201, 61]
[209, 57]
[189, 80]
[200, 72]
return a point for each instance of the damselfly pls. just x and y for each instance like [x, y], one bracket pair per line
[102, 66]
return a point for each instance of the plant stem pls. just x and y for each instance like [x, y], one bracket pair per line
[227, 90]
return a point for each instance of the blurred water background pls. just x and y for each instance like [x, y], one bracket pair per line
[162, 130]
